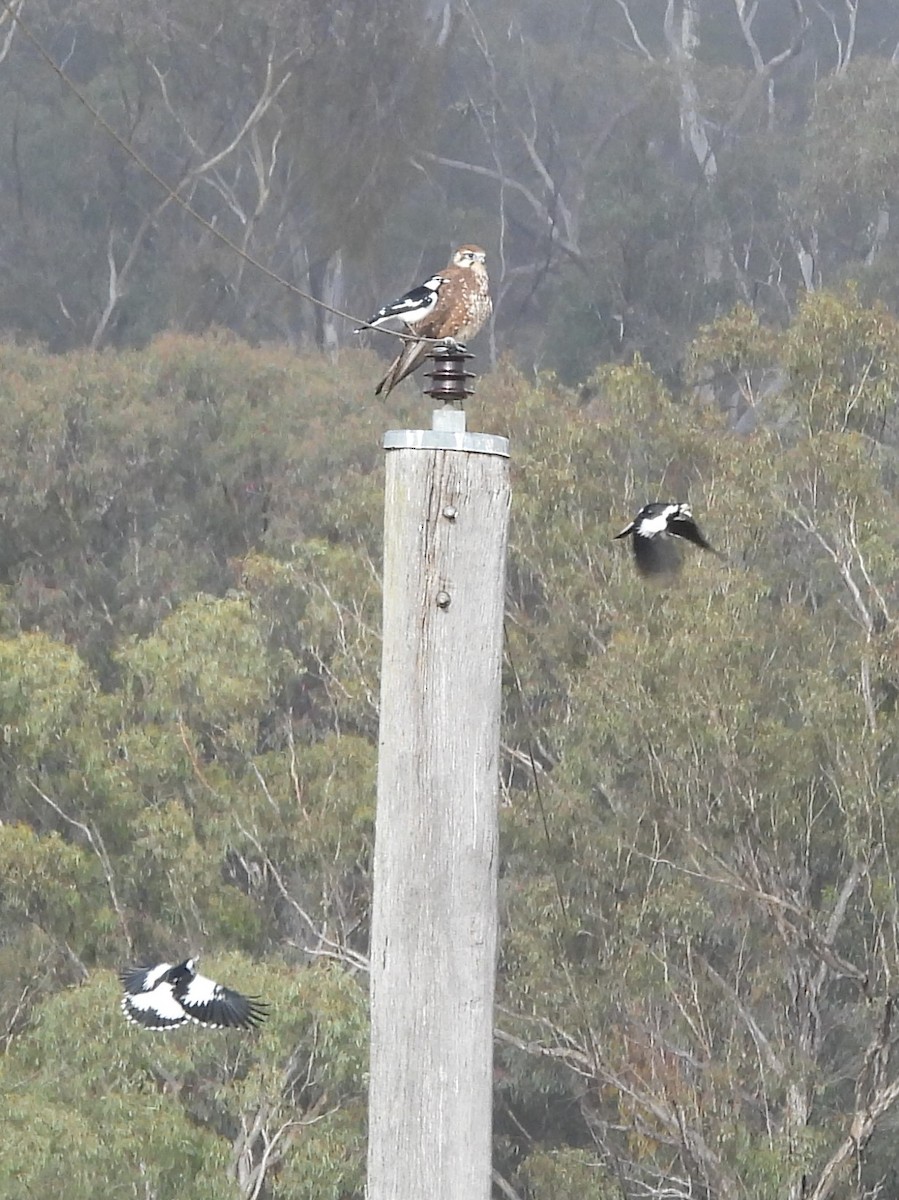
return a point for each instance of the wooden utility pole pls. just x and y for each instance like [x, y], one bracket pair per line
[433, 944]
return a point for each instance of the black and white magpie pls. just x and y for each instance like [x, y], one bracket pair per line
[414, 306]
[653, 532]
[165, 995]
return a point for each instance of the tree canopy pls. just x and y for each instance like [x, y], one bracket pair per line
[688, 210]
[698, 897]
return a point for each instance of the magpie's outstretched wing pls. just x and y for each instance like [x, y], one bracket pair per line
[143, 978]
[683, 526]
[655, 532]
[209, 1003]
[149, 999]
[163, 996]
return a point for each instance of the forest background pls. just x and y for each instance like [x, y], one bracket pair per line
[689, 212]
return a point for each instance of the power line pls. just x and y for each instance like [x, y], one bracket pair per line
[173, 193]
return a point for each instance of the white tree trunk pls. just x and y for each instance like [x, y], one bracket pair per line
[682, 37]
[332, 294]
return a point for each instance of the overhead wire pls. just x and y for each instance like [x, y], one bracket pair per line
[173, 194]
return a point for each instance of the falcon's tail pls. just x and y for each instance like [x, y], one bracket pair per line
[408, 360]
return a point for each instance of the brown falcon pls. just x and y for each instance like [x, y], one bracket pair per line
[453, 305]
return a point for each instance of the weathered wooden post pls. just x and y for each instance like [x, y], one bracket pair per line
[433, 944]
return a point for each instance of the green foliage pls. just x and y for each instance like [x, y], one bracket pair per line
[50, 883]
[836, 367]
[106, 1101]
[843, 361]
[708, 751]
[736, 343]
[855, 149]
[42, 687]
[206, 665]
[569, 1175]
[189, 758]
[700, 907]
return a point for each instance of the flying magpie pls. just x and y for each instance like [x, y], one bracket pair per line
[163, 996]
[653, 532]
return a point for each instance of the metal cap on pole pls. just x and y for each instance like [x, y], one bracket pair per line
[434, 913]
[450, 383]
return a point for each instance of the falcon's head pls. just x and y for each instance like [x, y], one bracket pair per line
[468, 256]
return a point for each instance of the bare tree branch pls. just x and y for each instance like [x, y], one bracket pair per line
[868, 1112]
[638, 41]
[95, 841]
[119, 275]
[10, 14]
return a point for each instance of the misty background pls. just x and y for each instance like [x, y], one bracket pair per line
[634, 167]
[688, 212]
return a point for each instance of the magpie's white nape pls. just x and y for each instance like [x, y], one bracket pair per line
[165, 995]
[653, 534]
